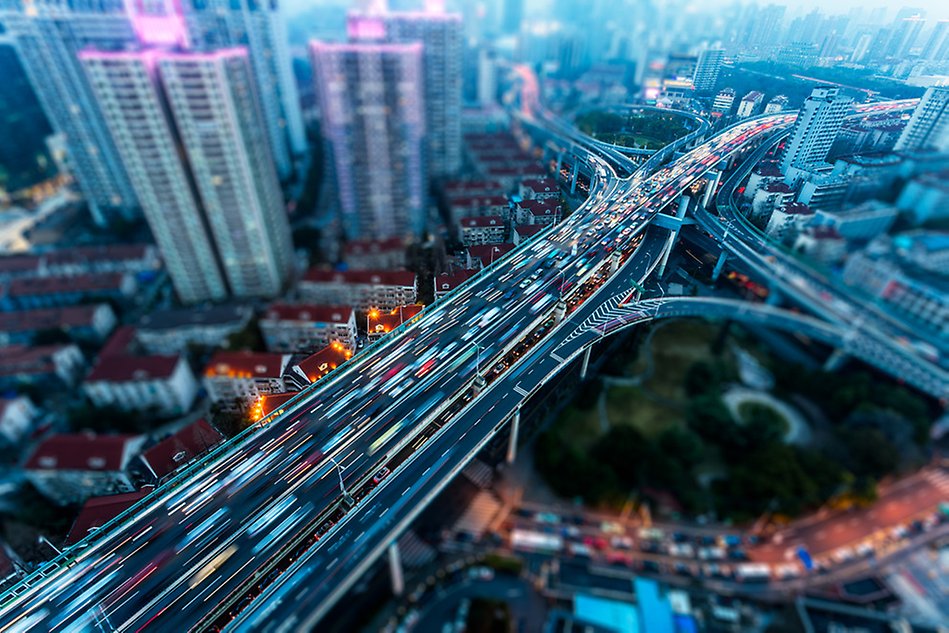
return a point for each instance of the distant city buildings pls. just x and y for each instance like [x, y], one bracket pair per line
[816, 127]
[928, 128]
[750, 104]
[723, 102]
[777, 104]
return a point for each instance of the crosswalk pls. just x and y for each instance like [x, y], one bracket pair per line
[479, 514]
[609, 315]
[940, 479]
[478, 473]
[414, 551]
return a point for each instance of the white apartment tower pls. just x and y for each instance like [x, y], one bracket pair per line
[707, 68]
[373, 110]
[816, 127]
[214, 207]
[928, 128]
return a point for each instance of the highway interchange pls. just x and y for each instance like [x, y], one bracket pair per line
[410, 404]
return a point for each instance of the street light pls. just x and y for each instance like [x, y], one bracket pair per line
[563, 282]
[339, 471]
[43, 539]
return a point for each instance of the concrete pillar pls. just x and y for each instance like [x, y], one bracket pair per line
[559, 163]
[774, 297]
[586, 363]
[573, 178]
[395, 569]
[683, 206]
[719, 265]
[512, 440]
[714, 177]
[666, 250]
[836, 360]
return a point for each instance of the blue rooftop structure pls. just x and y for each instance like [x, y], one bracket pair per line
[654, 607]
[610, 614]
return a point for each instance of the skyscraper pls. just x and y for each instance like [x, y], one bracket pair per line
[707, 69]
[441, 38]
[190, 131]
[373, 106]
[48, 39]
[928, 128]
[816, 128]
[937, 46]
[49, 34]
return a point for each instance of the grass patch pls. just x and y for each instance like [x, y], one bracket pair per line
[629, 406]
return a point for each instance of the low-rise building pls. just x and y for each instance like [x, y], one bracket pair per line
[478, 257]
[822, 243]
[379, 324]
[862, 222]
[447, 282]
[53, 366]
[460, 188]
[825, 191]
[17, 417]
[538, 211]
[82, 323]
[777, 104]
[178, 449]
[386, 254]
[478, 206]
[749, 104]
[539, 189]
[482, 230]
[303, 328]
[235, 380]
[926, 197]
[525, 232]
[786, 221]
[174, 331]
[315, 366]
[769, 198]
[82, 260]
[69, 468]
[163, 385]
[723, 102]
[760, 178]
[97, 511]
[362, 289]
[48, 292]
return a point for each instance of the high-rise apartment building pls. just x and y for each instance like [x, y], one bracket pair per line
[191, 134]
[441, 37]
[937, 46]
[707, 69]
[373, 108]
[928, 128]
[48, 38]
[816, 128]
[49, 34]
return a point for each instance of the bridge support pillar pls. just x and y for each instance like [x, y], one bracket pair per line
[573, 178]
[559, 164]
[719, 265]
[512, 440]
[836, 360]
[673, 234]
[395, 569]
[714, 177]
[586, 363]
[774, 297]
[560, 311]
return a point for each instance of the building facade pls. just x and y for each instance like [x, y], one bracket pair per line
[928, 128]
[302, 328]
[162, 385]
[816, 127]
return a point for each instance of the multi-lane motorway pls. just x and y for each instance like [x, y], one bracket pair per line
[262, 531]
[219, 534]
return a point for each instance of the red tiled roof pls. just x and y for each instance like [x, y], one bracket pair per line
[540, 207]
[461, 187]
[528, 230]
[166, 456]
[97, 511]
[374, 277]
[540, 184]
[271, 402]
[119, 343]
[48, 318]
[468, 202]
[84, 254]
[19, 263]
[317, 365]
[485, 221]
[797, 208]
[485, 252]
[445, 282]
[122, 368]
[66, 284]
[80, 451]
[308, 312]
[769, 171]
[778, 187]
[245, 365]
[28, 360]
[365, 247]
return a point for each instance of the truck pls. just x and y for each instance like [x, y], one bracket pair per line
[753, 572]
[536, 541]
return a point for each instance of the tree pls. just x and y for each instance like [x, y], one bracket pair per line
[682, 445]
[701, 378]
[708, 416]
[623, 450]
[868, 453]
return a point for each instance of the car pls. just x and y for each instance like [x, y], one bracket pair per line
[382, 474]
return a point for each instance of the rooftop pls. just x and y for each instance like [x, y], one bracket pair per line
[317, 365]
[797, 208]
[446, 282]
[193, 317]
[81, 451]
[170, 453]
[98, 511]
[65, 284]
[246, 365]
[488, 253]
[364, 277]
[778, 187]
[49, 318]
[122, 368]
[308, 312]
[29, 360]
[485, 221]
[369, 247]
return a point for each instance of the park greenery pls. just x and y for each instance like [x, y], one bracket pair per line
[694, 457]
[638, 129]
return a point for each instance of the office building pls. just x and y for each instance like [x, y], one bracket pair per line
[936, 48]
[816, 128]
[373, 107]
[215, 208]
[777, 104]
[928, 128]
[707, 68]
[723, 102]
[441, 38]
